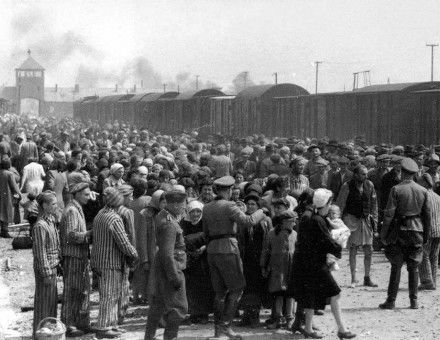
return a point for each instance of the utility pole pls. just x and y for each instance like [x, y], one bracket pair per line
[432, 59]
[245, 78]
[316, 75]
[164, 88]
[197, 82]
[276, 77]
[178, 88]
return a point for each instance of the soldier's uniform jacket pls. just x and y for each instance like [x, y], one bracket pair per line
[408, 205]
[170, 258]
[171, 253]
[220, 218]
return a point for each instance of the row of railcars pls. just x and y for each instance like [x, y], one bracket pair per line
[393, 113]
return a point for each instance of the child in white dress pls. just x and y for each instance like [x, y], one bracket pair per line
[339, 232]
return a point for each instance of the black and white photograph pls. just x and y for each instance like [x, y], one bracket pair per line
[216, 169]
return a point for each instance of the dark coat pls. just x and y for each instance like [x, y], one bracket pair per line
[199, 289]
[312, 282]
[8, 187]
[250, 241]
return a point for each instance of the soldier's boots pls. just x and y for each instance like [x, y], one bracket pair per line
[388, 304]
[225, 330]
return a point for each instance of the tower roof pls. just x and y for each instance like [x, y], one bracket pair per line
[30, 64]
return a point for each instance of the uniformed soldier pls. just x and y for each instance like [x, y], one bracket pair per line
[167, 281]
[407, 222]
[220, 219]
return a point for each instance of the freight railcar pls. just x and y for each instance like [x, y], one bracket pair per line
[254, 108]
[221, 116]
[396, 113]
[186, 111]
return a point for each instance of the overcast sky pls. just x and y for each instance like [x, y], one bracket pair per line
[103, 42]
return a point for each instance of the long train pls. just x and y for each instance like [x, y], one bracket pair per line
[406, 113]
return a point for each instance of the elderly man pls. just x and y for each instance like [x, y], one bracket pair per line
[358, 202]
[110, 253]
[313, 165]
[167, 280]
[406, 227]
[220, 220]
[75, 239]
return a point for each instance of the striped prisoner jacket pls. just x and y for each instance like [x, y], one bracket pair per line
[46, 246]
[110, 242]
[73, 231]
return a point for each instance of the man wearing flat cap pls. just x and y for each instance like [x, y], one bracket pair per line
[313, 164]
[220, 220]
[406, 227]
[167, 281]
[75, 240]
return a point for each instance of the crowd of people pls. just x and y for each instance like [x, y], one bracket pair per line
[193, 225]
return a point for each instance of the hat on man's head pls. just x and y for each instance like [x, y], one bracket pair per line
[433, 158]
[112, 197]
[175, 195]
[281, 201]
[383, 157]
[125, 189]
[224, 182]
[409, 165]
[77, 187]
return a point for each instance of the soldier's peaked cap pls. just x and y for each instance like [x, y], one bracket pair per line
[409, 165]
[225, 181]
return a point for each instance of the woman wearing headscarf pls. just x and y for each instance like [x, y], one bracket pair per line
[250, 241]
[313, 284]
[198, 283]
[115, 176]
[46, 251]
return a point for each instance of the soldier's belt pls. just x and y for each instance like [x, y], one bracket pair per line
[218, 237]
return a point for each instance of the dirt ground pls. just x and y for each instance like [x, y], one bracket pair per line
[359, 305]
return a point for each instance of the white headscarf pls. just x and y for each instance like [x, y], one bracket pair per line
[192, 206]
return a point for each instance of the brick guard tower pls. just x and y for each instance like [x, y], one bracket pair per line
[29, 88]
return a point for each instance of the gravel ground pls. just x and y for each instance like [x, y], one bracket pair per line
[359, 305]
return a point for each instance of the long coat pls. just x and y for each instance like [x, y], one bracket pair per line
[198, 282]
[250, 241]
[8, 187]
[312, 282]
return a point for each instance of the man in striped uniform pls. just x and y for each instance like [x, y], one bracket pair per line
[110, 252]
[75, 239]
[429, 265]
[168, 294]
[127, 216]
[46, 251]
